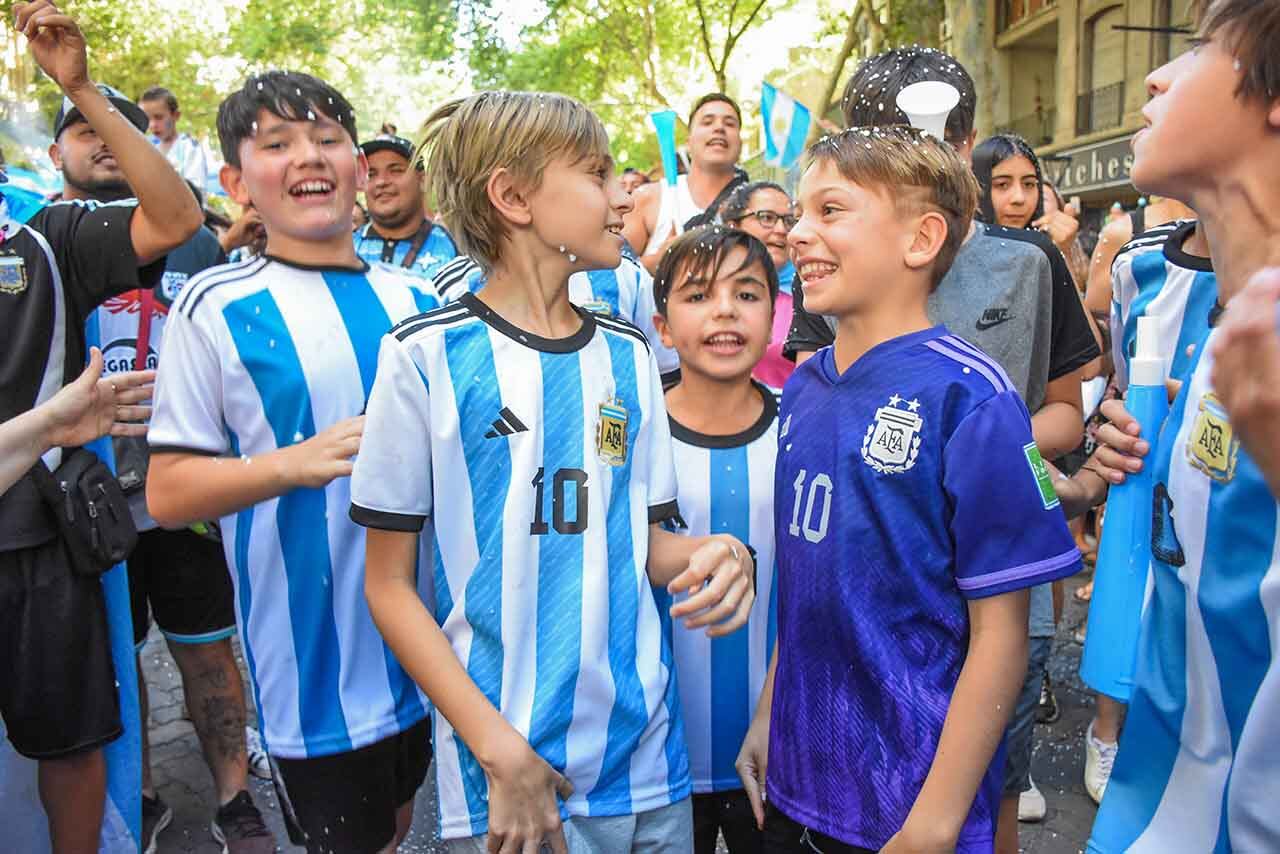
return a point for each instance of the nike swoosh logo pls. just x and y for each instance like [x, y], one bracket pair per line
[983, 325]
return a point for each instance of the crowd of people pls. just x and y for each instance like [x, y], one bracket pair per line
[641, 514]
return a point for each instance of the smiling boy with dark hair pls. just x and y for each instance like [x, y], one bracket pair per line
[270, 362]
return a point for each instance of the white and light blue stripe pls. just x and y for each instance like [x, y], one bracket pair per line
[726, 490]
[1198, 765]
[558, 630]
[1146, 283]
[625, 292]
[786, 126]
[262, 356]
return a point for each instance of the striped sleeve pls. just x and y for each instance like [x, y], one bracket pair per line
[391, 483]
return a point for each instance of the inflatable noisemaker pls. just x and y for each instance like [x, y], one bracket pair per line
[1124, 555]
[664, 122]
[927, 104]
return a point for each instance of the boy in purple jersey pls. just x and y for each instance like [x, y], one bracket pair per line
[913, 512]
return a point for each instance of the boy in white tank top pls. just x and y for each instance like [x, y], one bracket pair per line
[660, 212]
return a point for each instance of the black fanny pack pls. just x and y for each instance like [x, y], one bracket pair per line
[91, 511]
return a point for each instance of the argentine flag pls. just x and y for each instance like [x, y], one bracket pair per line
[786, 127]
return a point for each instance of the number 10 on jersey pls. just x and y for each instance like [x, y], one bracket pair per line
[817, 501]
[562, 482]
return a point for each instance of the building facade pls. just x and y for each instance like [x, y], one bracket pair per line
[1069, 76]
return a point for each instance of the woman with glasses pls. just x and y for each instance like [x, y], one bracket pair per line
[764, 210]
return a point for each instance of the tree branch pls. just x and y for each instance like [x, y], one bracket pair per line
[846, 50]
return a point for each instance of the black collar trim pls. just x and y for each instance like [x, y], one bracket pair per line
[572, 344]
[737, 440]
[1177, 255]
[318, 268]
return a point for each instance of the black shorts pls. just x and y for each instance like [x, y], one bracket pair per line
[730, 813]
[185, 579]
[785, 836]
[57, 683]
[346, 803]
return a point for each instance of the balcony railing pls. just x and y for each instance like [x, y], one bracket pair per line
[1036, 128]
[1012, 12]
[1100, 109]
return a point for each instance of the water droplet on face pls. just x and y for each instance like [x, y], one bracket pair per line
[561, 248]
[311, 116]
[572, 257]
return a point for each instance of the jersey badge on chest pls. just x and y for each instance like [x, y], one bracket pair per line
[13, 274]
[598, 306]
[611, 433]
[892, 443]
[1213, 446]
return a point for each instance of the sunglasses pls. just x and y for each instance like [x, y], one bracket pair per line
[769, 219]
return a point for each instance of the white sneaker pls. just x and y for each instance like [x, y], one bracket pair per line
[1031, 805]
[1099, 757]
[259, 762]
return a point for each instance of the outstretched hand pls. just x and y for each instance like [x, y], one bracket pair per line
[92, 406]
[56, 43]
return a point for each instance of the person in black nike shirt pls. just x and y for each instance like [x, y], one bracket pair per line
[59, 701]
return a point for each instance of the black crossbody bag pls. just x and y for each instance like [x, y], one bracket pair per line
[91, 511]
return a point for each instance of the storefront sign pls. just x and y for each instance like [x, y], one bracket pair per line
[1093, 167]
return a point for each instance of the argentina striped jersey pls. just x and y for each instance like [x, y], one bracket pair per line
[1153, 276]
[541, 464]
[625, 292]
[434, 253]
[258, 356]
[1198, 763]
[726, 486]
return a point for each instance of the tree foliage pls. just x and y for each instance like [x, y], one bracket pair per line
[202, 51]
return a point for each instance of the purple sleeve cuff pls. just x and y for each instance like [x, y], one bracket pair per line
[1019, 577]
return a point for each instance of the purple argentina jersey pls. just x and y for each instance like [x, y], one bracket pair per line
[903, 487]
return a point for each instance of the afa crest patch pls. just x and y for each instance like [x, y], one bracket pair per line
[611, 433]
[1212, 446]
[892, 442]
[13, 274]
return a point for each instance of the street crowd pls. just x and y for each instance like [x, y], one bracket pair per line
[644, 512]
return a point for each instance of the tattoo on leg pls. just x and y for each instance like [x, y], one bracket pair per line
[220, 725]
[216, 678]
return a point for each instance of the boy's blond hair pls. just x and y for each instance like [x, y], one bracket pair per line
[468, 138]
[918, 172]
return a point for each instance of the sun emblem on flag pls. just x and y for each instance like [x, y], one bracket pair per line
[779, 127]
[892, 444]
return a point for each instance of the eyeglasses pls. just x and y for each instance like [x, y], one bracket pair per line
[768, 219]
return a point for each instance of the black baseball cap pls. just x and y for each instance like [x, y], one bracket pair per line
[68, 114]
[390, 142]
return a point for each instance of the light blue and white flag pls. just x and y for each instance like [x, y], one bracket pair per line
[786, 127]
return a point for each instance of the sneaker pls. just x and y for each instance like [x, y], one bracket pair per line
[156, 816]
[259, 762]
[1099, 757]
[1031, 805]
[240, 829]
[1047, 710]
